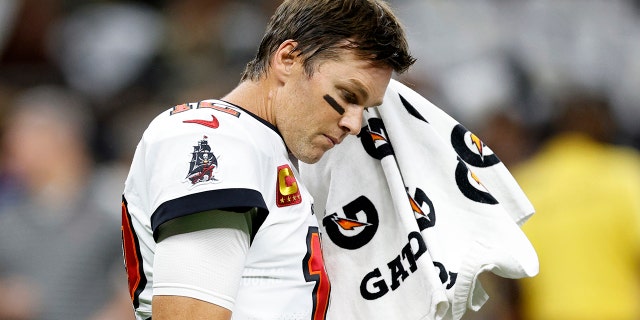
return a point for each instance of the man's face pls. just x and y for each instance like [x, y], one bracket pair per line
[315, 113]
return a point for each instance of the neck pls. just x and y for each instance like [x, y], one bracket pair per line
[254, 96]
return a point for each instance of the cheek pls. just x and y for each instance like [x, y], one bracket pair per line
[298, 101]
[306, 106]
[305, 109]
[316, 117]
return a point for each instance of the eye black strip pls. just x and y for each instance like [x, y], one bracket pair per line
[334, 104]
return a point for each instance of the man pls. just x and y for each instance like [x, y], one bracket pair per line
[244, 241]
[587, 226]
[54, 237]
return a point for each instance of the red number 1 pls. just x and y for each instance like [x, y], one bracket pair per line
[132, 256]
[313, 267]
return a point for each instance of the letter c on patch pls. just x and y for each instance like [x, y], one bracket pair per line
[287, 182]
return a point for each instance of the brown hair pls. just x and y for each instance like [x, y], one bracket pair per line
[323, 28]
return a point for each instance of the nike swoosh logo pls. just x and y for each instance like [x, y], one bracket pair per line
[213, 123]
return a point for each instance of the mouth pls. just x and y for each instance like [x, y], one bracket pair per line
[332, 140]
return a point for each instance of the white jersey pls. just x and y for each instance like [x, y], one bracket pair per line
[214, 155]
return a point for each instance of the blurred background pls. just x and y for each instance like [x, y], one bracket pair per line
[553, 87]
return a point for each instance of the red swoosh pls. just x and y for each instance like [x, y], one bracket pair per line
[213, 123]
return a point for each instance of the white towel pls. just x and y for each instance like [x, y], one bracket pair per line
[411, 211]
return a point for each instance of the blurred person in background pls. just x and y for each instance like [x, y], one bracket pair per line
[60, 256]
[586, 229]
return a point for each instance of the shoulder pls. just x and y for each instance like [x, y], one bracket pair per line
[218, 122]
[213, 116]
[202, 156]
[206, 142]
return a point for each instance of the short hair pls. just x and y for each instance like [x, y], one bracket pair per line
[324, 28]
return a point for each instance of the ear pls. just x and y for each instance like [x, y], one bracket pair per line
[284, 59]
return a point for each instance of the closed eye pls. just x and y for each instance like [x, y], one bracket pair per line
[349, 97]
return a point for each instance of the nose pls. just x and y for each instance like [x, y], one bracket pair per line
[351, 120]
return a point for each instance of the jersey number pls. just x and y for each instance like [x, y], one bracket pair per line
[132, 256]
[313, 267]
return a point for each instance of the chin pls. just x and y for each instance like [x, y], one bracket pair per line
[309, 158]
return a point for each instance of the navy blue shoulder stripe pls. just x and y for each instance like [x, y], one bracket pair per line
[234, 200]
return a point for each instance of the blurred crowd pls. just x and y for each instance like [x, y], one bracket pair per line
[553, 87]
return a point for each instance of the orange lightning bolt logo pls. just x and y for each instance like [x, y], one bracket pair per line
[414, 205]
[478, 143]
[349, 224]
[477, 179]
[377, 136]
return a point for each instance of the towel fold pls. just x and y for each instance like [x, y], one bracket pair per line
[411, 211]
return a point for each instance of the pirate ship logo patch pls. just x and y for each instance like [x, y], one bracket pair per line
[203, 167]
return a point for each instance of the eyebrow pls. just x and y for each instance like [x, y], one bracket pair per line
[334, 104]
[356, 85]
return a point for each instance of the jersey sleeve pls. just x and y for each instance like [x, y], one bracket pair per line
[204, 264]
[191, 167]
